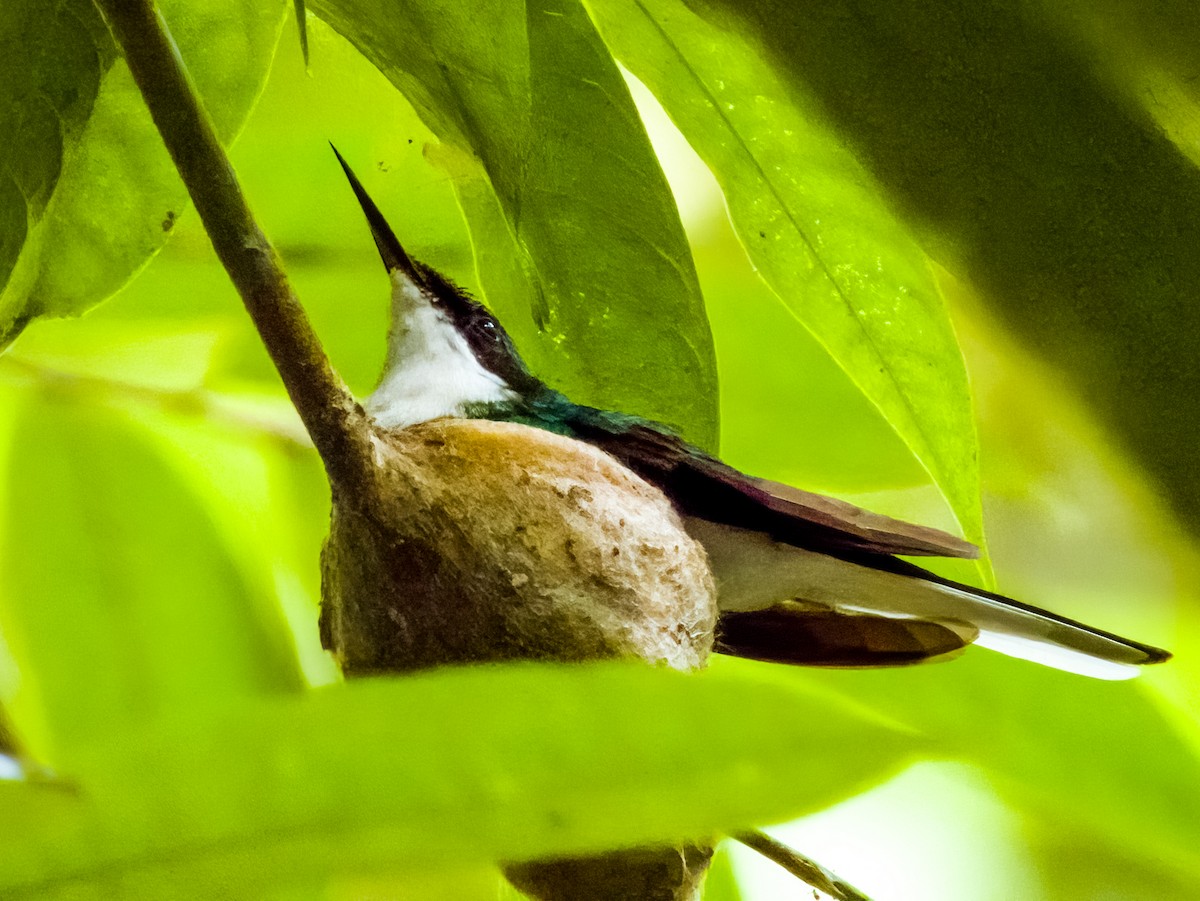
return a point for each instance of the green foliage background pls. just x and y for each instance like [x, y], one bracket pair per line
[1024, 164]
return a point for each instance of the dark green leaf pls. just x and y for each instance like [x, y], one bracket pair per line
[51, 63]
[302, 27]
[113, 197]
[1064, 203]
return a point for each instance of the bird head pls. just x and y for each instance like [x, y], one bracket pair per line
[447, 355]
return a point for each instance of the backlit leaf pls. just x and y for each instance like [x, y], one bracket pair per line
[463, 767]
[815, 226]
[119, 603]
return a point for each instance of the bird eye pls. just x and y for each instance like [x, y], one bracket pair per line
[489, 323]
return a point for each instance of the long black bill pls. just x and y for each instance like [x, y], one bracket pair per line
[390, 251]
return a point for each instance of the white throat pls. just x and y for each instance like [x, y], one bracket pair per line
[430, 371]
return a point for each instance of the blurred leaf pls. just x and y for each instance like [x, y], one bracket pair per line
[532, 94]
[1071, 866]
[481, 883]
[1083, 756]
[465, 766]
[509, 893]
[8, 740]
[1146, 51]
[149, 355]
[119, 603]
[721, 884]
[117, 196]
[10, 766]
[815, 227]
[302, 27]
[1029, 175]
[269, 501]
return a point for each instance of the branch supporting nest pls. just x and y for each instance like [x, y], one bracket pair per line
[337, 424]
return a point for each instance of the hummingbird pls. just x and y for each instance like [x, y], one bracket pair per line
[518, 524]
[801, 578]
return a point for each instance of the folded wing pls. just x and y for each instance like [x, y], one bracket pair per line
[772, 546]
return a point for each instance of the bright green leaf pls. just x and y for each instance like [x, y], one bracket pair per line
[119, 603]
[463, 766]
[815, 226]
[532, 102]
[721, 884]
[1084, 757]
[269, 501]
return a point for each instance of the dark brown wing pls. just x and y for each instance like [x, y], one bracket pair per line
[898, 536]
[914, 618]
[703, 486]
[799, 633]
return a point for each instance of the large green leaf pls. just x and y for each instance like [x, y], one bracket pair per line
[119, 602]
[110, 195]
[1147, 52]
[721, 883]
[815, 226]
[457, 767]
[1081, 757]
[51, 63]
[1061, 200]
[531, 101]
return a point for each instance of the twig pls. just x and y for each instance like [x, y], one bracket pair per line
[337, 424]
[188, 401]
[803, 868]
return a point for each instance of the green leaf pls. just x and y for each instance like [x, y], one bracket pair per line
[269, 501]
[1145, 52]
[119, 602]
[302, 27]
[815, 226]
[1079, 756]
[51, 63]
[473, 765]
[531, 100]
[1078, 865]
[721, 883]
[1064, 204]
[115, 197]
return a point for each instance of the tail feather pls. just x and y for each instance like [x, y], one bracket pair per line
[756, 574]
[802, 634]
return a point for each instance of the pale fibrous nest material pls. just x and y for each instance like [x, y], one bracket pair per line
[498, 541]
[491, 541]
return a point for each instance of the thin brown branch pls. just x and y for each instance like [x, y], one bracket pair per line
[337, 424]
[803, 868]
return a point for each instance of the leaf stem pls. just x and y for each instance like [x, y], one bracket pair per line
[803, 868]
[337, 424]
